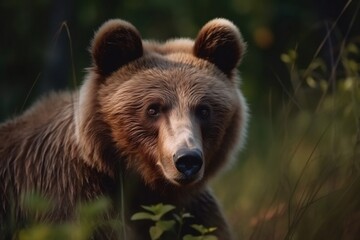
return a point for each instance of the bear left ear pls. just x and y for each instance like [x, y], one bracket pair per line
[115, 44]
[220, 42]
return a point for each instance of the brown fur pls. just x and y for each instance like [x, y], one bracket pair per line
[73, 147]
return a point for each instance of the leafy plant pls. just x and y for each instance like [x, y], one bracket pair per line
[88, 218]
[156, 214]
[205, 233]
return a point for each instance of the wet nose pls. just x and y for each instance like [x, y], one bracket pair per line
[188, 161]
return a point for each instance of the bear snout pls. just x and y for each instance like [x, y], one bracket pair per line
[188, 162]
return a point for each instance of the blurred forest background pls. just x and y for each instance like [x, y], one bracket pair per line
[298, 177]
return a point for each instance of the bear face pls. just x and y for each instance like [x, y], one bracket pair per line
[173, 111]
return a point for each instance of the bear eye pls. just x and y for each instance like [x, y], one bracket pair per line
[203, 112]
[154, 110]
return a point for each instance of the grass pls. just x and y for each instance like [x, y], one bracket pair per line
[299, 177]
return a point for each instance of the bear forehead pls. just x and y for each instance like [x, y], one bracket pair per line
[176, 68]
[168, 77]
[184, 45]
[173, 73]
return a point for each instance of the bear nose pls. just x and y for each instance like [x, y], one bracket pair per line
[188, 162]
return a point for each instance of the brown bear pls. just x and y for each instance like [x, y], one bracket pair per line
[158, 118]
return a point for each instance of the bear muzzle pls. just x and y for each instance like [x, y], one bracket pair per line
[188, 162]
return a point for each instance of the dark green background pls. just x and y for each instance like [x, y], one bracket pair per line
[32, 50]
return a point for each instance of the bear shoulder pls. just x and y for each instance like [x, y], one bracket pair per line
[51, 107]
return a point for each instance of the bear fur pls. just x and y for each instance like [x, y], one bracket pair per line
[141, 103]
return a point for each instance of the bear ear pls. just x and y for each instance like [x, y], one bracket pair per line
[220, 42]
[115, 44]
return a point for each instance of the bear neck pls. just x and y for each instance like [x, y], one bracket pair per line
[92, 133]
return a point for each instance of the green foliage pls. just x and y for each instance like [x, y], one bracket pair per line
[203, 230]
[89, 216]
[35, 203]
[205, 233]
[300, 177]
[160, 227]
[156, 214]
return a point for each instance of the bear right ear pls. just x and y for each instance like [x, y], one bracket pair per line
[220, 42]
[115, 44]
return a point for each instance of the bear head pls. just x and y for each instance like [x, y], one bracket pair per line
[171, 112]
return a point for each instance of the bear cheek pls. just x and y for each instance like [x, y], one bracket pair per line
[213, 135]
[129, 133]
[221, 141]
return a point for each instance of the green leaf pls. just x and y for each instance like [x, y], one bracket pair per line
[159, 208]
[160, 227]
[165, 225]
[212, 229]
[143, 216]
[200, 228]
[187, 215]
[311, 82]
[317, 64]
[178, 218]
[285, 58]
[203, 230]
[166, 209]
[153, 208]
[155, 232]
